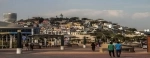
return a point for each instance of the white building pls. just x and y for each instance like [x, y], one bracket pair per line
[10, 17]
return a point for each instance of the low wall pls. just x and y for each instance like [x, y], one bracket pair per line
[104, 48]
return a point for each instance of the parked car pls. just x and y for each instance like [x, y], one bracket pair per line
[144, 45]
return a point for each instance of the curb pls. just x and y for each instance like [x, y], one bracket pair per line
[81, 53]
[72, 53]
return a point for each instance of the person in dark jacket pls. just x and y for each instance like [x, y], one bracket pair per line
[27, 46]
[93, 46]
[31, 46]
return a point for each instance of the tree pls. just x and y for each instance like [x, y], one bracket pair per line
[132, 29]
[74, 18]
[61, 15]
[137, 38]
[40, 19]
[119, 37]
[84, 18]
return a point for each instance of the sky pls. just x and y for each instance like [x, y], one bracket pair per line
[130, 13]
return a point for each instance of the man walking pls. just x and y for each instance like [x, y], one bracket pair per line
[111, 49]
[31, 46]
[118, 48]
[27, 46]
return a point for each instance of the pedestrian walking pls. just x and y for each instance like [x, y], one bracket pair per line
[111, 49]
[27, 46]
[93, 46]
[118, 48]
[31, 46]
[99, 42]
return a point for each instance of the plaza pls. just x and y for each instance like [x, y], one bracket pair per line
[75, 52]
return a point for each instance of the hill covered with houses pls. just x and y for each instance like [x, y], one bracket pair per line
[79, 27]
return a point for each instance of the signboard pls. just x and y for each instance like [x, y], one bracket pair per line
[24, 37]
[144, 46]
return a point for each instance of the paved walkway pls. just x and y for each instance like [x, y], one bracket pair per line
[72, 56]
[70, 49]
[68, 53]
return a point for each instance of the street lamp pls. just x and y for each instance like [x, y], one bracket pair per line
[84, 42]
[19, 42]
[146, 30]
[62, 43]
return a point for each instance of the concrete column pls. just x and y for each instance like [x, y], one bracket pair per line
[11, 41]
[57, 41]
[19, 42]
[54, 41]
[7, 38]
[96, 39]
[55, 32]
[36, 39]
[51, 41]
[62, 43]
[14, 38]
[32, 33]
[45, 40]
[2, 41]
[26, 38]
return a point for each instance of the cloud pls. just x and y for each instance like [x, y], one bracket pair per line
[143, 15]
[89, 13]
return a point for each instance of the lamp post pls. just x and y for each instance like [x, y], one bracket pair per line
[19, 42]
[84, 42]
[62, 43]
[32, 33]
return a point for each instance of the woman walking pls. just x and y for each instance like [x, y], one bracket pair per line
[93, 46]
